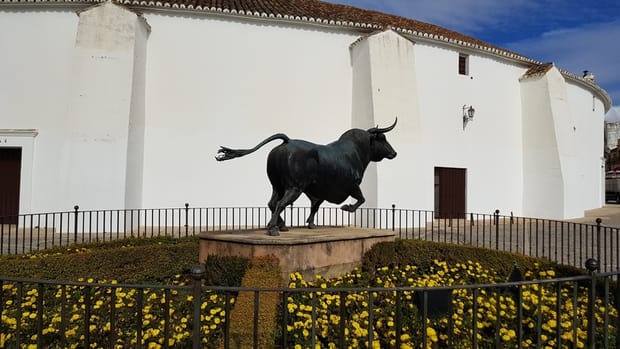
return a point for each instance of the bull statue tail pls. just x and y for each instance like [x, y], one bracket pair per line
[226, 153]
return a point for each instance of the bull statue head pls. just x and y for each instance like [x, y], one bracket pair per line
[380, 148]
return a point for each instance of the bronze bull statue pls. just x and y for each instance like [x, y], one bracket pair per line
[331, 172]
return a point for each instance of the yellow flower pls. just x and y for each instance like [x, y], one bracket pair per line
[431, 334]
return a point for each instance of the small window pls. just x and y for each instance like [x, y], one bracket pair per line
[463, 64]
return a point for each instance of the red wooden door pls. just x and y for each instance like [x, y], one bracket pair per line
[450, 189]
[10, 171]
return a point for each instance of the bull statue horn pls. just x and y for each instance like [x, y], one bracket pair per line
[383, 130]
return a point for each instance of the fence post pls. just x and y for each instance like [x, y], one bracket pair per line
[75, 223]
[198, 273]
[598, 242]
[393, 217]
[497, 229]
[186, 218]
[618, 310]
[592, 265]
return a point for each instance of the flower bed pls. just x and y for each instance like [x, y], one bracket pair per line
[105, 315]
[551, 315]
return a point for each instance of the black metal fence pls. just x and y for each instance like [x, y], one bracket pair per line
[560, 241]
[567, 312]
[574, 312]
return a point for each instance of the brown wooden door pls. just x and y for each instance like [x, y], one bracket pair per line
[450, 189]
[10, 171]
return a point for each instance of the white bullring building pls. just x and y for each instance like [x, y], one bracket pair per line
[112, 105]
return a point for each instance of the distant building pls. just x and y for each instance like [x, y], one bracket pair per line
[612, 133]
[612, 138]
[126, 103]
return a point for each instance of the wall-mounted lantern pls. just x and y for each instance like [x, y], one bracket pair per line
[468, 114]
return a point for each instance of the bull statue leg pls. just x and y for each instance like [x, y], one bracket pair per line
[314, 207]
[290, 195]
[356, 193]
[275, 197]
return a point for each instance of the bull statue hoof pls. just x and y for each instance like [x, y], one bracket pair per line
[274, 231]
[283, 228]
[311, 226]
[347, 208]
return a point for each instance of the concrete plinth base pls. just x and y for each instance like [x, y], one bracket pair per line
[329, 251]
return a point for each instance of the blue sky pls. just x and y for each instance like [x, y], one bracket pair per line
[576, 35]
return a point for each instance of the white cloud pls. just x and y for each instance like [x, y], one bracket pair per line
[593, 47]
[470, 16]
[465, 16]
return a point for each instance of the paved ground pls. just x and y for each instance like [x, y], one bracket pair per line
[610, 215]
[569, 244]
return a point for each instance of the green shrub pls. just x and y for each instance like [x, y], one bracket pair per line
[263, 272]
[128, 261]
[225, 270]
[422, 254]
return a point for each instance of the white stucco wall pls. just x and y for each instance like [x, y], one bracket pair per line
[139, 127]
[589, 116]
[235, 90]
[137, 120]
[99, 105]
[385, 88]
[543, 182]
[563, 144]
[34, 65]
[489, 146]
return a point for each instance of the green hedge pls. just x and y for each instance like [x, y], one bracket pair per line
[225, 271]
[157, 260]
[128, 261]
[422, 253]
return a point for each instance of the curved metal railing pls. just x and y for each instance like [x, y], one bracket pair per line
[580, 311]
[559, 241]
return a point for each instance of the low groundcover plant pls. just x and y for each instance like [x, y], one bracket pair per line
[117, 316]
[551, 315]
[105, 314]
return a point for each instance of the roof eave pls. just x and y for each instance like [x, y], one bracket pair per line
[155, 5]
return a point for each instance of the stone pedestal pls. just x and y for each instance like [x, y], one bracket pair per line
[329, 251]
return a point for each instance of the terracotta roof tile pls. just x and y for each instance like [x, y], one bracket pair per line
[324, 13]
[312, 11]
[537, 70]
